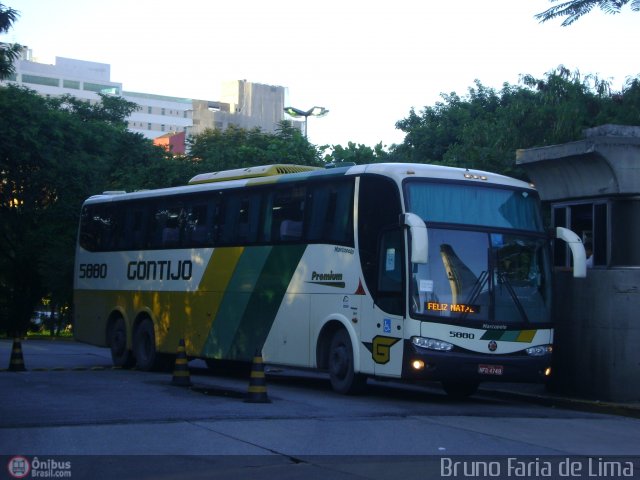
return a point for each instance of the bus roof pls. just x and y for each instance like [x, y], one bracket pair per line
[280, 173]
[401, 171]
[250, 172]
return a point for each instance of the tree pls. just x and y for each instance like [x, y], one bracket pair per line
[235, 147]
[483, 129]
[358, 154]
[56, 152]
[9, 53]
[575, 9]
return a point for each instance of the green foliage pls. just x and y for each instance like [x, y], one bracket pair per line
[574, 9]
[216, 150]
[8, 52]
[111, 109]
[484, 129]
[55, 153]
[358, 154]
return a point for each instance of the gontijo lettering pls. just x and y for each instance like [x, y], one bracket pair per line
[160, 270]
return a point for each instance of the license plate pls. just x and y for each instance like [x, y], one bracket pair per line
[490, 369]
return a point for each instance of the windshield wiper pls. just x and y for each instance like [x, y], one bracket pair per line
[514, 296]
[475, 291]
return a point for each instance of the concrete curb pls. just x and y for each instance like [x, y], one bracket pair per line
[572, 403]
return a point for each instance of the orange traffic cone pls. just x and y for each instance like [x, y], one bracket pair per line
[258, 382]
[181, 376]
[16, 364]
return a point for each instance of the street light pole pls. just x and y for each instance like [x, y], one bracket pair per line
[312, 112]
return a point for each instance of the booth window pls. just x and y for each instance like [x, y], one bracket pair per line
[589, 221]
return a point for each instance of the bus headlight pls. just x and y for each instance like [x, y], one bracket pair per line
[431, 344]
[540, 350]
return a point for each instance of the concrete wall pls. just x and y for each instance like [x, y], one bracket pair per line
[597, 343]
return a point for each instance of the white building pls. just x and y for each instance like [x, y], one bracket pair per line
[243, 104]
[159, 114]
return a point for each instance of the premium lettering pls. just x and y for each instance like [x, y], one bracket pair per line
[325, 277]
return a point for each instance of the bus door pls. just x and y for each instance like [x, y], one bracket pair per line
[383, 330]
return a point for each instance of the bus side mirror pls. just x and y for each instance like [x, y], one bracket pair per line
[419, 237]
[577, 251]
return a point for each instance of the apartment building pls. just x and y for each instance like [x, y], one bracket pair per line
[242, 103]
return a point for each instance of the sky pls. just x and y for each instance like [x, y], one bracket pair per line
[367, 62]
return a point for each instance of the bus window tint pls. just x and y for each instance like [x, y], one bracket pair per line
[99, 227]
[168, 221]
[295, 212]
[332, 213]
[197, 229]
[287, 214]
[136, 220]
[238, 222]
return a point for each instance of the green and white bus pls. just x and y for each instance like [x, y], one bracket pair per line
[401, 271]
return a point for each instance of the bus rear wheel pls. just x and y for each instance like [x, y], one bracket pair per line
[144, 347]
[343, 377]
[121, 356]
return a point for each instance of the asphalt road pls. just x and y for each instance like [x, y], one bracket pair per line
[70, 405]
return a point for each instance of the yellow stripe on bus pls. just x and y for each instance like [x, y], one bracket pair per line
[214, 283]
[526, 336]
[187, 315]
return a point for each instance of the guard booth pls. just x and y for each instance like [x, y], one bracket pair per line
[593, 188]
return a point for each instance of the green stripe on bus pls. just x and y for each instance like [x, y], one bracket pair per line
[491, 335]
[265, 300]
[510, 336]
[234, 301]
[524, 336]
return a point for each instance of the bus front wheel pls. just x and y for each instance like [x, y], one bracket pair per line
[343, 377]
[121, 356]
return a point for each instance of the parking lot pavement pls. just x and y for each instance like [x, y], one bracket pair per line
[73, 355]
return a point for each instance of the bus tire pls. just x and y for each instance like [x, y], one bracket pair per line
[121, 356]
[343, 377]
[460, 390]
[144, 347]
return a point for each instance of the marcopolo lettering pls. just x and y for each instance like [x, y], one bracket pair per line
[160, 270]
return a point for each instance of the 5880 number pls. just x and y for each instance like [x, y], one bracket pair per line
[93, 270]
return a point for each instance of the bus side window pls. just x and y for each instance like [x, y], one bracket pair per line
[379, 210]
[287, 214]
[136, 226]
[167, 225]
[89, 231]
[238, 224]
[197, 230]
[99, 227]
[331, 218]
[390, 264]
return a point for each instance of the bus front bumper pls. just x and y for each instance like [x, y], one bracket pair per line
[467, 366]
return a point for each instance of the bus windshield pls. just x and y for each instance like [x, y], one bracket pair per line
[498, 273]
[479, 276]
[474, 205]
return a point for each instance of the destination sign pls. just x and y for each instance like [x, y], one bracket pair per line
[451, 307]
